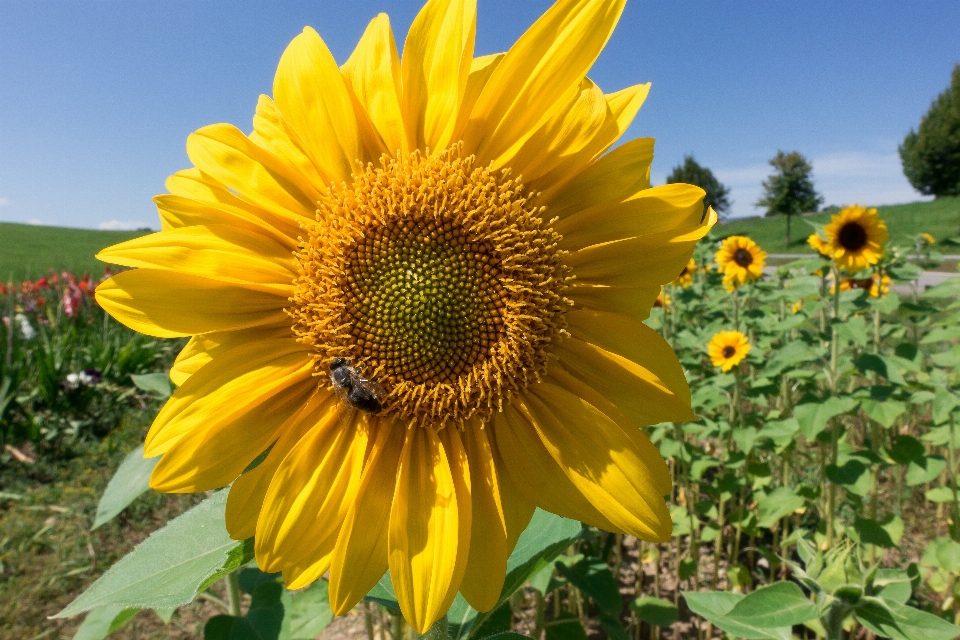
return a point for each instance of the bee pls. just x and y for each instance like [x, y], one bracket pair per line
[361, 393]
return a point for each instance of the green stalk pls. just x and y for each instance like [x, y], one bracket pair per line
[834, 426]
[953, 480]
[718, 543]
[233, 594]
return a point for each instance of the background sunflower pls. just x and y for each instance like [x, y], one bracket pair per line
[727, 349]
[855, 238]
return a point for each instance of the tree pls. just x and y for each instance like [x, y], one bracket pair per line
[690, 172]
[789, 189]
[931, 155]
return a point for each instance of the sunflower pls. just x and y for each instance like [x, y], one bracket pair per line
[663, 300]
[452, 231]
[928, 239]
[685, 279]
[855, 238]
[727, 349]
[741, 260]
[818, 244]
[876, 285]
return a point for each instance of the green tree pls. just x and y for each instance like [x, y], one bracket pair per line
[691, 172]
[931, 155]
[789, 189]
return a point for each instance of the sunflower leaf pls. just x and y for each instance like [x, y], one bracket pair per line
[171, 566]
[130, 481]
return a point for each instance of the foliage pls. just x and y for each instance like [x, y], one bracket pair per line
[789, 189]
[691, 172]
[931, 154]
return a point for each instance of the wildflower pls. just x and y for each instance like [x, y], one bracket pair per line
[685, 279]
[26, 329]
[855, 238]
[741, 261]
[818, 244]
[876, 285]
[727, 349]
[663, 300]
[928, 238]
[502, 318]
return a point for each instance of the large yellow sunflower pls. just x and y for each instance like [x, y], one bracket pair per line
[727, 349]
[449, 235]
[855, 238]
[741, 260]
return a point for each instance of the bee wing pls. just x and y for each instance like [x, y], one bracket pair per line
[377, 389]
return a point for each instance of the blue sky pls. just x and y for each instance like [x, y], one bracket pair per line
[97, 97]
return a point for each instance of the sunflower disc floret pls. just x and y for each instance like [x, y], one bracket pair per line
[436, 278]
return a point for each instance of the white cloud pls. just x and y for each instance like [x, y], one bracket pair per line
[842, 178]
[123, 225]
[36, 221]
[4, 202]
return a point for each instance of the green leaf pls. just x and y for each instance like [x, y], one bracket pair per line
[942, 553]
[907, 449]
[924, 470]
[781, 604]
[893, 585]
[545, 538]
[263, 620]
[900, 622]
[306, 612]
[103, 621]
[881, 365]
[613, 627]
[941, 334]
[883, 535]
[508, 635]
[155, 383]
[594, 579]
[944, 403]
[130, 481]
[714, 607]
[566, 626]
[848, 473]
[813, 416]
[939, 494]
[885, 412]
[168, 568]
[655, 611]
[778, 504]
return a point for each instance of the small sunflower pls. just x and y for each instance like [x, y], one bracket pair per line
[685, 279]
[876, 285]
[741, 260]
[929, 239]
[855, 238]
[818, 244]
[663, 300]
[454, 230]
[796, 307]
[727, 349]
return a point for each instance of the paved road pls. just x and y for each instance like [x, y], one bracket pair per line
[927, 279]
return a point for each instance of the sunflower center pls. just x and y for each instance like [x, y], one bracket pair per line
[743, 257]
[728, 351]
[852, 236]
[436, 280]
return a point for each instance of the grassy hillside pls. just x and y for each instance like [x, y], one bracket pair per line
[940, 218]
[29, 251]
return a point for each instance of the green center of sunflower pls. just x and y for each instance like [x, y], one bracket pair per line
[852, 236]
[728, 351]
[437, 281]
[743, 257]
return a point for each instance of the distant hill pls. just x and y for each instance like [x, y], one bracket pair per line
[30, 251]
[940, 218]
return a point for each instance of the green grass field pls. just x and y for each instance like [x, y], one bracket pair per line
[940, 218]
[30, 251]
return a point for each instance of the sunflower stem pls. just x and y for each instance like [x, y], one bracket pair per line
[233, 594]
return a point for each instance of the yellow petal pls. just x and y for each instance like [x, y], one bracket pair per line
[196, 185]
[633, 340]
[635, 303]
[225, 153]
[218, 252]
[177, 211]
[312, 567]
[645, 261]
[168, 305]
[536, 75]
[489, 549]
[211, 456]
[668, 207]
[310, 492]
[230, 388]
[424, 530]
[535, 472]
[274, 134]
[623, 482]
[613, 178]
[373, 73]
[312, 96]
[480, 71]
[437, 57]
[634, 389]
[360, 559]
[248, 491]
[625, 104]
